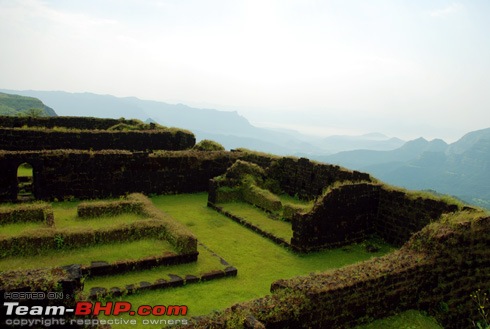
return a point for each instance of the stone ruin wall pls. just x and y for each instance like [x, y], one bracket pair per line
[308, 179]
[26, 133]
[97, 174]
[87, 175]
[352, 212]
[400, 214]
[435, 271]
[121, 162]
[82, 123]
[28, 139]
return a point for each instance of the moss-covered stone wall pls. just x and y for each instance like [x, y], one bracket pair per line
[49, 133]
[308, 179]
[402, 213]
[83, 123]
[40, 212]
[86, 174]
[351, 212]
[344, 215]
[41, 139]
[62, 174]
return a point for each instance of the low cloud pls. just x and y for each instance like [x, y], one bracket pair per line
[452, 9]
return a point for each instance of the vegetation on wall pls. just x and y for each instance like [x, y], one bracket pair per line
[37, 280]
[30, 212]
[208, 145]
[244, 181]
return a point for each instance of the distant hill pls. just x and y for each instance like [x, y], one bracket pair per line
[408, 151]
[228, 128]
[11, 104]
[371, 141]
[461, 169]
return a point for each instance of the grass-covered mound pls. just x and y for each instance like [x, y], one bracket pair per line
[248, 182]
[16, 105]
[208, 145]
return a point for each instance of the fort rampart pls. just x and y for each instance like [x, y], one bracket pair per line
[50, 133]
[59, 174]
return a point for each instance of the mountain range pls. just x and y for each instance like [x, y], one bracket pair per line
[461, 169]
[228, 128]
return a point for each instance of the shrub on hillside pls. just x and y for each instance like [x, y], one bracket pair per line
[208, 145]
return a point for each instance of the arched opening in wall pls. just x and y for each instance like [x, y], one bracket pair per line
[25, 182]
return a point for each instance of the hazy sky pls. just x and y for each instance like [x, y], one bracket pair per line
[405, 68]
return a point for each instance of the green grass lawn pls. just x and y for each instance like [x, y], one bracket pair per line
[286, 198]
[260, 219]
[65, 216]
[19, 228]
[206, 262]
[259, 261]
[105, 252]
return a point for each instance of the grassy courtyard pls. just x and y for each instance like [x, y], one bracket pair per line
[258, 260]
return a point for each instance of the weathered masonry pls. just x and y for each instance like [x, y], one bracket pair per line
[17, 133]
[96, 174]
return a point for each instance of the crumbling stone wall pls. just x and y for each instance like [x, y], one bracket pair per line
[344, 215]
[84, 174]
[348, 212]
[95, 174]
[296, 177]
[351, 212]
[308, 179]
[301, 177]
[400, 214]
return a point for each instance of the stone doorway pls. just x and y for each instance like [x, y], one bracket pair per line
[25, 182]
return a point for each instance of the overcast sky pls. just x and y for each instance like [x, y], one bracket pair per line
[404, 68]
